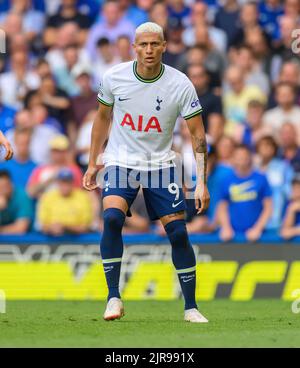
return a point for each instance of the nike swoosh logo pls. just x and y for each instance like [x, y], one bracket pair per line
[177, 204]
[188, 280]
[124, 99]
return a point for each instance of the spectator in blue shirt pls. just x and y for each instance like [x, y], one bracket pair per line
[20, 166]
[279, 174]
[246, 204]
[291, 223]
[269, 13]
[16, 210]
[7, 115]
[179, 12]
[227, 19]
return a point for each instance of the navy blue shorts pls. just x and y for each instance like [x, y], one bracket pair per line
[162, 189]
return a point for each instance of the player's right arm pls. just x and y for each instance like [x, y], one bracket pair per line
[99, 134]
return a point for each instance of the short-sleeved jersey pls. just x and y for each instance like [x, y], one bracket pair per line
[245, 196]
[144, 114]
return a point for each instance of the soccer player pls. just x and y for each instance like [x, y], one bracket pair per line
[145, 98]
[5, 143]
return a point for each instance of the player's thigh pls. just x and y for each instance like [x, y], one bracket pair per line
[117, 191]
[115, 201]
[172, 217]
[166, 199]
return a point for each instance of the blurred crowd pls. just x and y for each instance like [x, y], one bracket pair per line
[242, 57]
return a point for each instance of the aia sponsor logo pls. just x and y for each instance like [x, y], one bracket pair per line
[142, 125]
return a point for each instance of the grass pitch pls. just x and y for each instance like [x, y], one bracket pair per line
[258, 323]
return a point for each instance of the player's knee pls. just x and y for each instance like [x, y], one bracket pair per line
[177, 233]
[113, 219]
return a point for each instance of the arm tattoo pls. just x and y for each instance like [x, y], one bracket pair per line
[201, 158]
[200, 145]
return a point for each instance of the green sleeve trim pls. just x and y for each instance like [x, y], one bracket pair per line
[193, 114]
[104, 103]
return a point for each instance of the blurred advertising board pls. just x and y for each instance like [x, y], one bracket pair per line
[74, 272]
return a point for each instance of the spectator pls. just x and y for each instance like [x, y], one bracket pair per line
[227, 19]
[179, 12]
[15, 84]
[252, 130]
[286, 110]
[138, 13]
[291, 224]
[40, 137]
[16, 210]
[67, 13]
[215, 60]
[260, 45]
[106, 58]
[225, 147]
[67, 35]
[289, 149]
[83, 141]
[206, 223]
[124, 49]
[32, 20]
[253, 75]
[20, 166]
[42, 68]
[159, 13]
[289, 73]
[64, 75]
[111, 26]
[65, 209]
[291, 7]
[41, 117]
[248, 20]
[211, 103]
[279, 175]
[44, 176]
[55, 100]
[269, 13]
[82, 104]
[236, 100]
[245, 191]
[288, 24]
[199, 16]
[175, 46]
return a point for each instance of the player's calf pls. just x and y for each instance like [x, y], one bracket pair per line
[184, 260]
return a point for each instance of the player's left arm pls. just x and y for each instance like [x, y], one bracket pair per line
[196, 128]
[4, 142]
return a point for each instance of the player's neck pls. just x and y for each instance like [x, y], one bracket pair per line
[148, 72]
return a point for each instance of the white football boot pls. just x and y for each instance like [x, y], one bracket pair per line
[114, 309]
[193, 315]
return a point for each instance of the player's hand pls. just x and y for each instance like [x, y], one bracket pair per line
[202, 198]
[253, 234]
[89, 179]
[4, 142]
[226, 234]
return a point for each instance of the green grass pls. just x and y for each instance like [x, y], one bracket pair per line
[259, 323]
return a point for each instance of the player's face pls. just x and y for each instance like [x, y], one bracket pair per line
[149, 48]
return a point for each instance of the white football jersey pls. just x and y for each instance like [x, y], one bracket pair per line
[144, 114]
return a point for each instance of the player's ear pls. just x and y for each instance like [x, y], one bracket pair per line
[164, 46]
